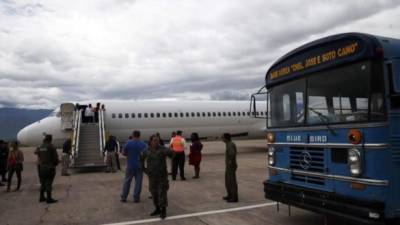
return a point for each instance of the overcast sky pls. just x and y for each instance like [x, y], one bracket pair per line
[56, 51]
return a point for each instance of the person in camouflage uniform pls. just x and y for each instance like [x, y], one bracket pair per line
[230, 169]
[156, 169]
[48, 160]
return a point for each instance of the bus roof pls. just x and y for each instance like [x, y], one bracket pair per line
[325, 53]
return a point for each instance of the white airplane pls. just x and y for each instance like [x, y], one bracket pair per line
[208, 118]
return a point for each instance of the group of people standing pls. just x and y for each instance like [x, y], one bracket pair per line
[90, 114]
[141, 158]
[11, 161]
[151, 160]
[178, 146]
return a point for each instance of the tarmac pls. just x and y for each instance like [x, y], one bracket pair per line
[93, 197]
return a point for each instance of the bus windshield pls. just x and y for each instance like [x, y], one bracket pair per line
[348, 94]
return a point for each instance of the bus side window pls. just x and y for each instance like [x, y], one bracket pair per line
[394, 77]
[286, 107]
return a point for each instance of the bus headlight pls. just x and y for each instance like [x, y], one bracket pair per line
[271, 156]
[354, 161]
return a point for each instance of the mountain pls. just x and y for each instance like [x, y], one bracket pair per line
[13, 119]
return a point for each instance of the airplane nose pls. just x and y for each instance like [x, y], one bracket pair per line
[21, 136]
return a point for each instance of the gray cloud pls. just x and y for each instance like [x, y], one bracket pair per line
[112, 49]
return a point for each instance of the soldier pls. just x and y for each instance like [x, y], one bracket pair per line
[158, 176]
[48, 160]
[230, 169]
[65, 157]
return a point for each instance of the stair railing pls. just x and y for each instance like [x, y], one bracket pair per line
[101, 131]
[76, 134]
[103, 127]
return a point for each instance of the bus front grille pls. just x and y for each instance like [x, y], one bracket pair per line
[307, 159]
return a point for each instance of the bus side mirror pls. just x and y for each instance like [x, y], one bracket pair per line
[263, 92]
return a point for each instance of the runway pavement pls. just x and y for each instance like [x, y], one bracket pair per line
[93, 197]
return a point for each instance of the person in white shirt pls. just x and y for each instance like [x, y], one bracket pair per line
[89, 114]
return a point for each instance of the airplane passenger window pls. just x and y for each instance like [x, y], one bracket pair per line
[164, 115]
[126, 115]
[219, 113]
[113, 116]
[234, 113]
[133, 115]
[187, 114]
[139, 115]
[198, 114]
[120, 115]
[204, 114]
[243, 113]
[257, 113]
[152, 115]
[229, 113]
[209, 114]
[146, 115]
[176, 114]
[158, 115]
[224, 114]
[248, 113]
[262, 113]
[169, 114]
[214, 114]
[181, 114]
[193, 115]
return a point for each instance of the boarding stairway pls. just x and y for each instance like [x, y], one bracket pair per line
[88, 141]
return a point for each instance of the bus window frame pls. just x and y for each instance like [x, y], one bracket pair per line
[375, 65]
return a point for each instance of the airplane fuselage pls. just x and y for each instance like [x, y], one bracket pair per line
[208, 118]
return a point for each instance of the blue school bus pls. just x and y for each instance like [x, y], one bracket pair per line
[333, 128]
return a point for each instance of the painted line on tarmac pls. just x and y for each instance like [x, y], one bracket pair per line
[195, 214]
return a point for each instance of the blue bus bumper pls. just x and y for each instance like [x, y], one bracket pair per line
[327, 203]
